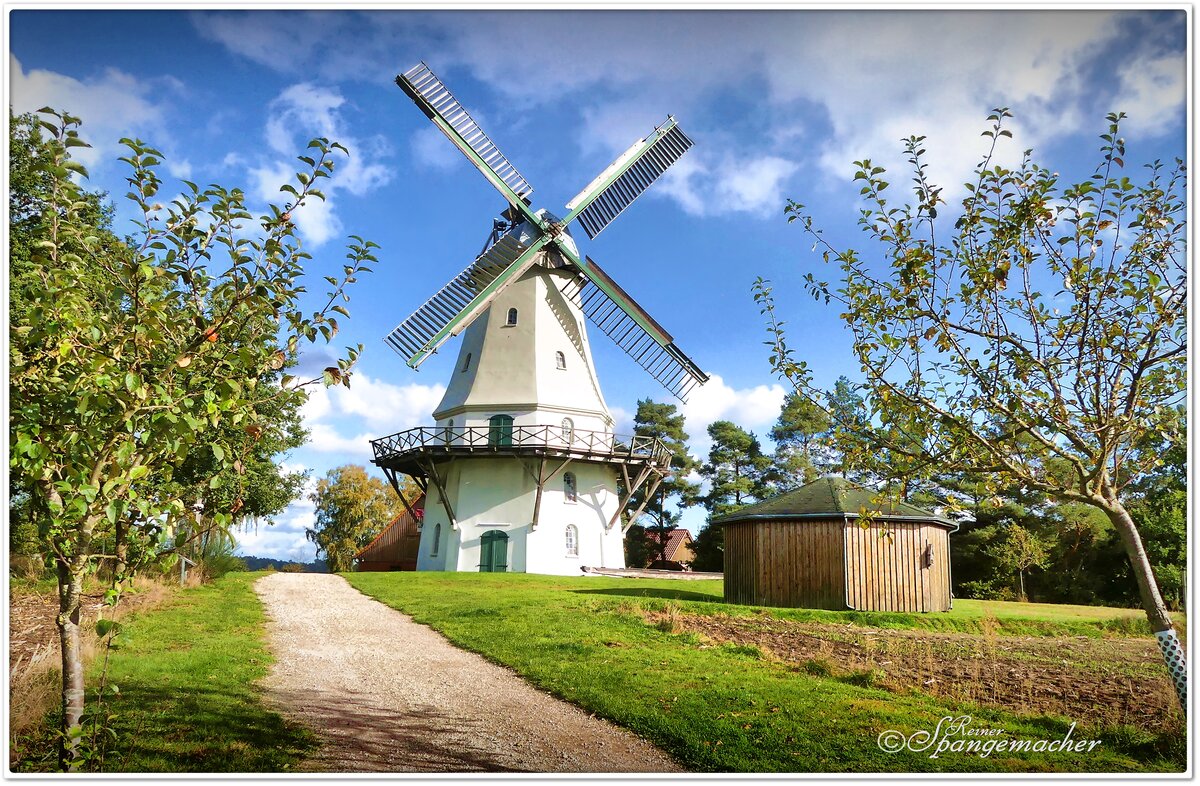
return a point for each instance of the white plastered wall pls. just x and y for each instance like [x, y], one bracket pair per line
[497, 493]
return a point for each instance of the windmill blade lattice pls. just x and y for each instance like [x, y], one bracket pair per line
[658, 355]
[646, 167]
[423, 86]
[421, 333]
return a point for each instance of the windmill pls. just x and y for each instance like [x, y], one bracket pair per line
[525, 386]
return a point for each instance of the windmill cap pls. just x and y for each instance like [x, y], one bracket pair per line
[526, 233]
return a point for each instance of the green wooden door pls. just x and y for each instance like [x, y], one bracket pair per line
[500, 431]
[493, 552]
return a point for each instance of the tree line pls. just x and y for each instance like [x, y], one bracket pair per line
[1013, 543]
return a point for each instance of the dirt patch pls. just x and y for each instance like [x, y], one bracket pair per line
[1093, 681]
[33, 634]
[33, 656]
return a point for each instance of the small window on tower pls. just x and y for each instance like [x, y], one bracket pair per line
[466, 362]
[572, 541]
[568, 430]
[569, 489]
[512, 317]
[437, 538]
[449, 430]
[560, 360]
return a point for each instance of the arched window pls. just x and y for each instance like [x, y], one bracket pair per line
[568, 430]
[560, 360]
[437, 539]
[466, 362]
[569, 489]
[500, 431]
[449, 430]
[512, 317]
[572, 541]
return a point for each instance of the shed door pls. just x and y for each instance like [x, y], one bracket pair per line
[493, 552]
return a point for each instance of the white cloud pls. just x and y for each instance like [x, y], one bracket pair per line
[341, 422]
[316, 219]
[323, 438]
[927, 74]
[303, 105]
[753, 185]
[862, 79]
[368, 409]
[754, 409]
[1152, 94]
[283, 44]
[622, 419]
[431, 149]
[285, 539]
[181, 168]
[111, 105]
[385, 406]
[299, 113]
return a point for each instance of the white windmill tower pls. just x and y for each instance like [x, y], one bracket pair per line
[522, 471]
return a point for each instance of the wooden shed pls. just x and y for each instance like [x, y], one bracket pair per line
[833, 545]
[395, 548]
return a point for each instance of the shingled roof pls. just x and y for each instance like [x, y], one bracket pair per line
[832, 497]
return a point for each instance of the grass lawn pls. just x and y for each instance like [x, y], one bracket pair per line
[726, 708]
[187, 700]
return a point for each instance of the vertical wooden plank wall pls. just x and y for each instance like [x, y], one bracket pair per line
[785, 563]
[940, 572]
[885, 567]
[832, 565]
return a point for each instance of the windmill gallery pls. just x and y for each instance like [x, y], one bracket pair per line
[522, 471]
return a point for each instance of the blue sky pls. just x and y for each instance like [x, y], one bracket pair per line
[779, 104]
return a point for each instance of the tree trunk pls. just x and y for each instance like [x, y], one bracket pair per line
[1021, 586]
[70, 591]
[1152, 602]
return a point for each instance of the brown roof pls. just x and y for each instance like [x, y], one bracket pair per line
[677, 538]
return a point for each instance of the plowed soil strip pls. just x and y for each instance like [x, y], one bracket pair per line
[388, 695]
[1118, 680]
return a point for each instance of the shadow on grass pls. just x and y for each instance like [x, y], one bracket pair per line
[652, 592]
[206, 730]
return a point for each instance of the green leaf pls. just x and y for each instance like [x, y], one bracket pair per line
[105, 627]
[218, 452]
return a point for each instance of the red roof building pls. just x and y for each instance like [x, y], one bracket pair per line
[396, 547]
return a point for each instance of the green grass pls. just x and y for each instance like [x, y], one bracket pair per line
[187, 700]
[727, 708]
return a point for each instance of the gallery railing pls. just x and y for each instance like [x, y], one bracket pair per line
[511, 438]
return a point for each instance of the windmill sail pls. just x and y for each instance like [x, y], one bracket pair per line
[460, 301]
[466, 296]
[625, 179]
[647, 343]
[440, 106]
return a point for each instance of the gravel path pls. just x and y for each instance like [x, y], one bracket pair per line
[388, 695]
